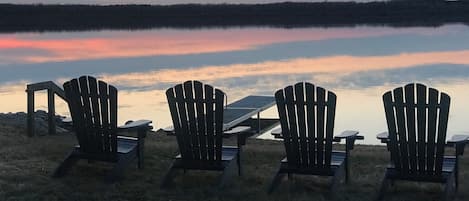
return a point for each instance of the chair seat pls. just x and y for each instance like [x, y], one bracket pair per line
[228, 153]
[124, 146]
[449, 165]
[337, 160]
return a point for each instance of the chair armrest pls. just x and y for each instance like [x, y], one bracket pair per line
[350, 136]
[67, 120]
[141, 126]
[459, 142]
[136, 125]
[237, 130]
[458, 139]
[347, 134]
[240, 132]
[169, 130]
[277, 133]
[127, 138]
[384, 137]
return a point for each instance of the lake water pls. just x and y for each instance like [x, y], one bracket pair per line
[358, 63]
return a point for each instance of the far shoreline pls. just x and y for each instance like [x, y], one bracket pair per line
[28, 18]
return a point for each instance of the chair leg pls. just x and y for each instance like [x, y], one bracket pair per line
[456, 177]
[384, 185]
[168, 177]
[347, 171]
[450, 189]
[69, 161]
[117, 171]
[140, 158]
[141, 147]
[227, 173]
[238, 161]
[275, 181]
[336, 179]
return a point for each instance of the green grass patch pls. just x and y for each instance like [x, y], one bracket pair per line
[26, 165]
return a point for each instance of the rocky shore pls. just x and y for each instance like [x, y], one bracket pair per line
[19, 120]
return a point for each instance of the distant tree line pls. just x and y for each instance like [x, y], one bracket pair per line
[89, 17]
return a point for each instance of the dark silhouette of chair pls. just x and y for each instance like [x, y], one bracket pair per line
[93, 108]
[417, 119]
[307, 114]
[197, 114]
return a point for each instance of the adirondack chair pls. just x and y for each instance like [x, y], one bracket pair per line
[197, 114]
[307, 115]
[417, 119]
[93, 108]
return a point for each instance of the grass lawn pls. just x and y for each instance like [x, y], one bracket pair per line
[26, 165]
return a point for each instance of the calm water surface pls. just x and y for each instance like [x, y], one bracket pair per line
[359, 64]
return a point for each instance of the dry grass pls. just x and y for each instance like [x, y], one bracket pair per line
[27, 163]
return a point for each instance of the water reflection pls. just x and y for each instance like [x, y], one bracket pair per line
[359, 64]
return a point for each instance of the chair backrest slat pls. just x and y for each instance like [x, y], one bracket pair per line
[311, 117]
[417, 119]
[201, 119]
[300, 109]
[93, 107]
[431, 129]
[190, 101]
[104, 103]
[219, 108]
[85, 96]
[410, 115]
[401, 128]
[209, 108]
[284, 124]
[330, 112]
[320, 107]
[391, 121]
[289, 97]
[442, 128]
[421, 125]
[197, 114]
[307, 117]
[112, 98]
[96, 112]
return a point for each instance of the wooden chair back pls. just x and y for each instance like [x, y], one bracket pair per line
[417, 119]
[307, 115]
[197, 114]
[93, 107]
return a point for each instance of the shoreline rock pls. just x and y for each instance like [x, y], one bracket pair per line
[19, 120]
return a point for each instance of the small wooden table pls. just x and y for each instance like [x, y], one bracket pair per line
[239, 113]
